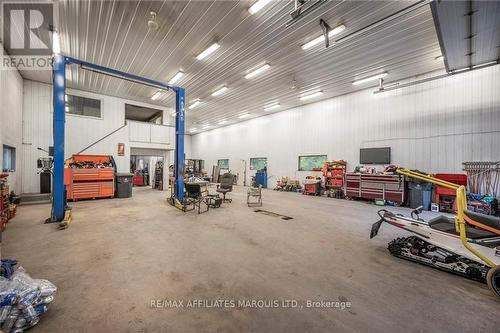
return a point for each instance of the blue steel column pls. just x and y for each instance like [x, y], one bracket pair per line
[59, 78]
[179, 143]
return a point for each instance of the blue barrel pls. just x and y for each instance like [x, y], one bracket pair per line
[261, 178]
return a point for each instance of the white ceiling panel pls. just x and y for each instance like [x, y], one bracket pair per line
[116, 34]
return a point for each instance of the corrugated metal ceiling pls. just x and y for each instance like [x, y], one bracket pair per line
[116, 34]
[469, 30]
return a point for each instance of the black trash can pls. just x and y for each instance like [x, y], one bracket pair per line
[420, 195]
[124, 185]
[45, 181]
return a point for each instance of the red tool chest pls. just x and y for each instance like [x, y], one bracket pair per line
[334, 173]
[372, 186]
[445, 205]
[455, 178]
[138, 180]
[312, 188]
[89, 182]
[312, 185]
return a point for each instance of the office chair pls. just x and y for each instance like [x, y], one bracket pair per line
[226, 185]
[194, 197]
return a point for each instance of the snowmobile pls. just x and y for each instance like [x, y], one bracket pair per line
[467, 245]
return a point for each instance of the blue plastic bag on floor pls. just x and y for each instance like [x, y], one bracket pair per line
[22, 300]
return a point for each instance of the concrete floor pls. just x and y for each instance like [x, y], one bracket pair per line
[119, 255]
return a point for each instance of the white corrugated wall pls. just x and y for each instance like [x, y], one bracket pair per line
[80, 131]
[11, 107]
[433, 126]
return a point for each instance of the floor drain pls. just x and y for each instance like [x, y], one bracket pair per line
[268, 213]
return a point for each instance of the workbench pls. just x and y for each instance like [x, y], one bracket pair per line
[203, 186]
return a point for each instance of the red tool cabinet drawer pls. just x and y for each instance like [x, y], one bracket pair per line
[337, 182]
[92, 174]
[107, 189]
[90, 190]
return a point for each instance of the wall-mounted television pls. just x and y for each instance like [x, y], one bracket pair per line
[375, 155]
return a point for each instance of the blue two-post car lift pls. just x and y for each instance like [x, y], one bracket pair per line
[59, 91]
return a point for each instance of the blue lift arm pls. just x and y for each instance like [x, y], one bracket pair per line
[59, 91]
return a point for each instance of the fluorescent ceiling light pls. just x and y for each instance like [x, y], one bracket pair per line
[317, 40]
[272, 107]
[193, 130]
[244, 115]
[222, 122]
[65, 98]
[56, 44]
[220, 91]
[157, 95]
[176, 77]
[370, 78]
[195, 104]
[211, 49]
[206, 126]
[258, 6]
[311, 95]
[257, 71]
[66, 108]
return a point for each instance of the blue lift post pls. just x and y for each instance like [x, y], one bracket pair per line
[59, 78]
[179, 144]
[59, 92]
